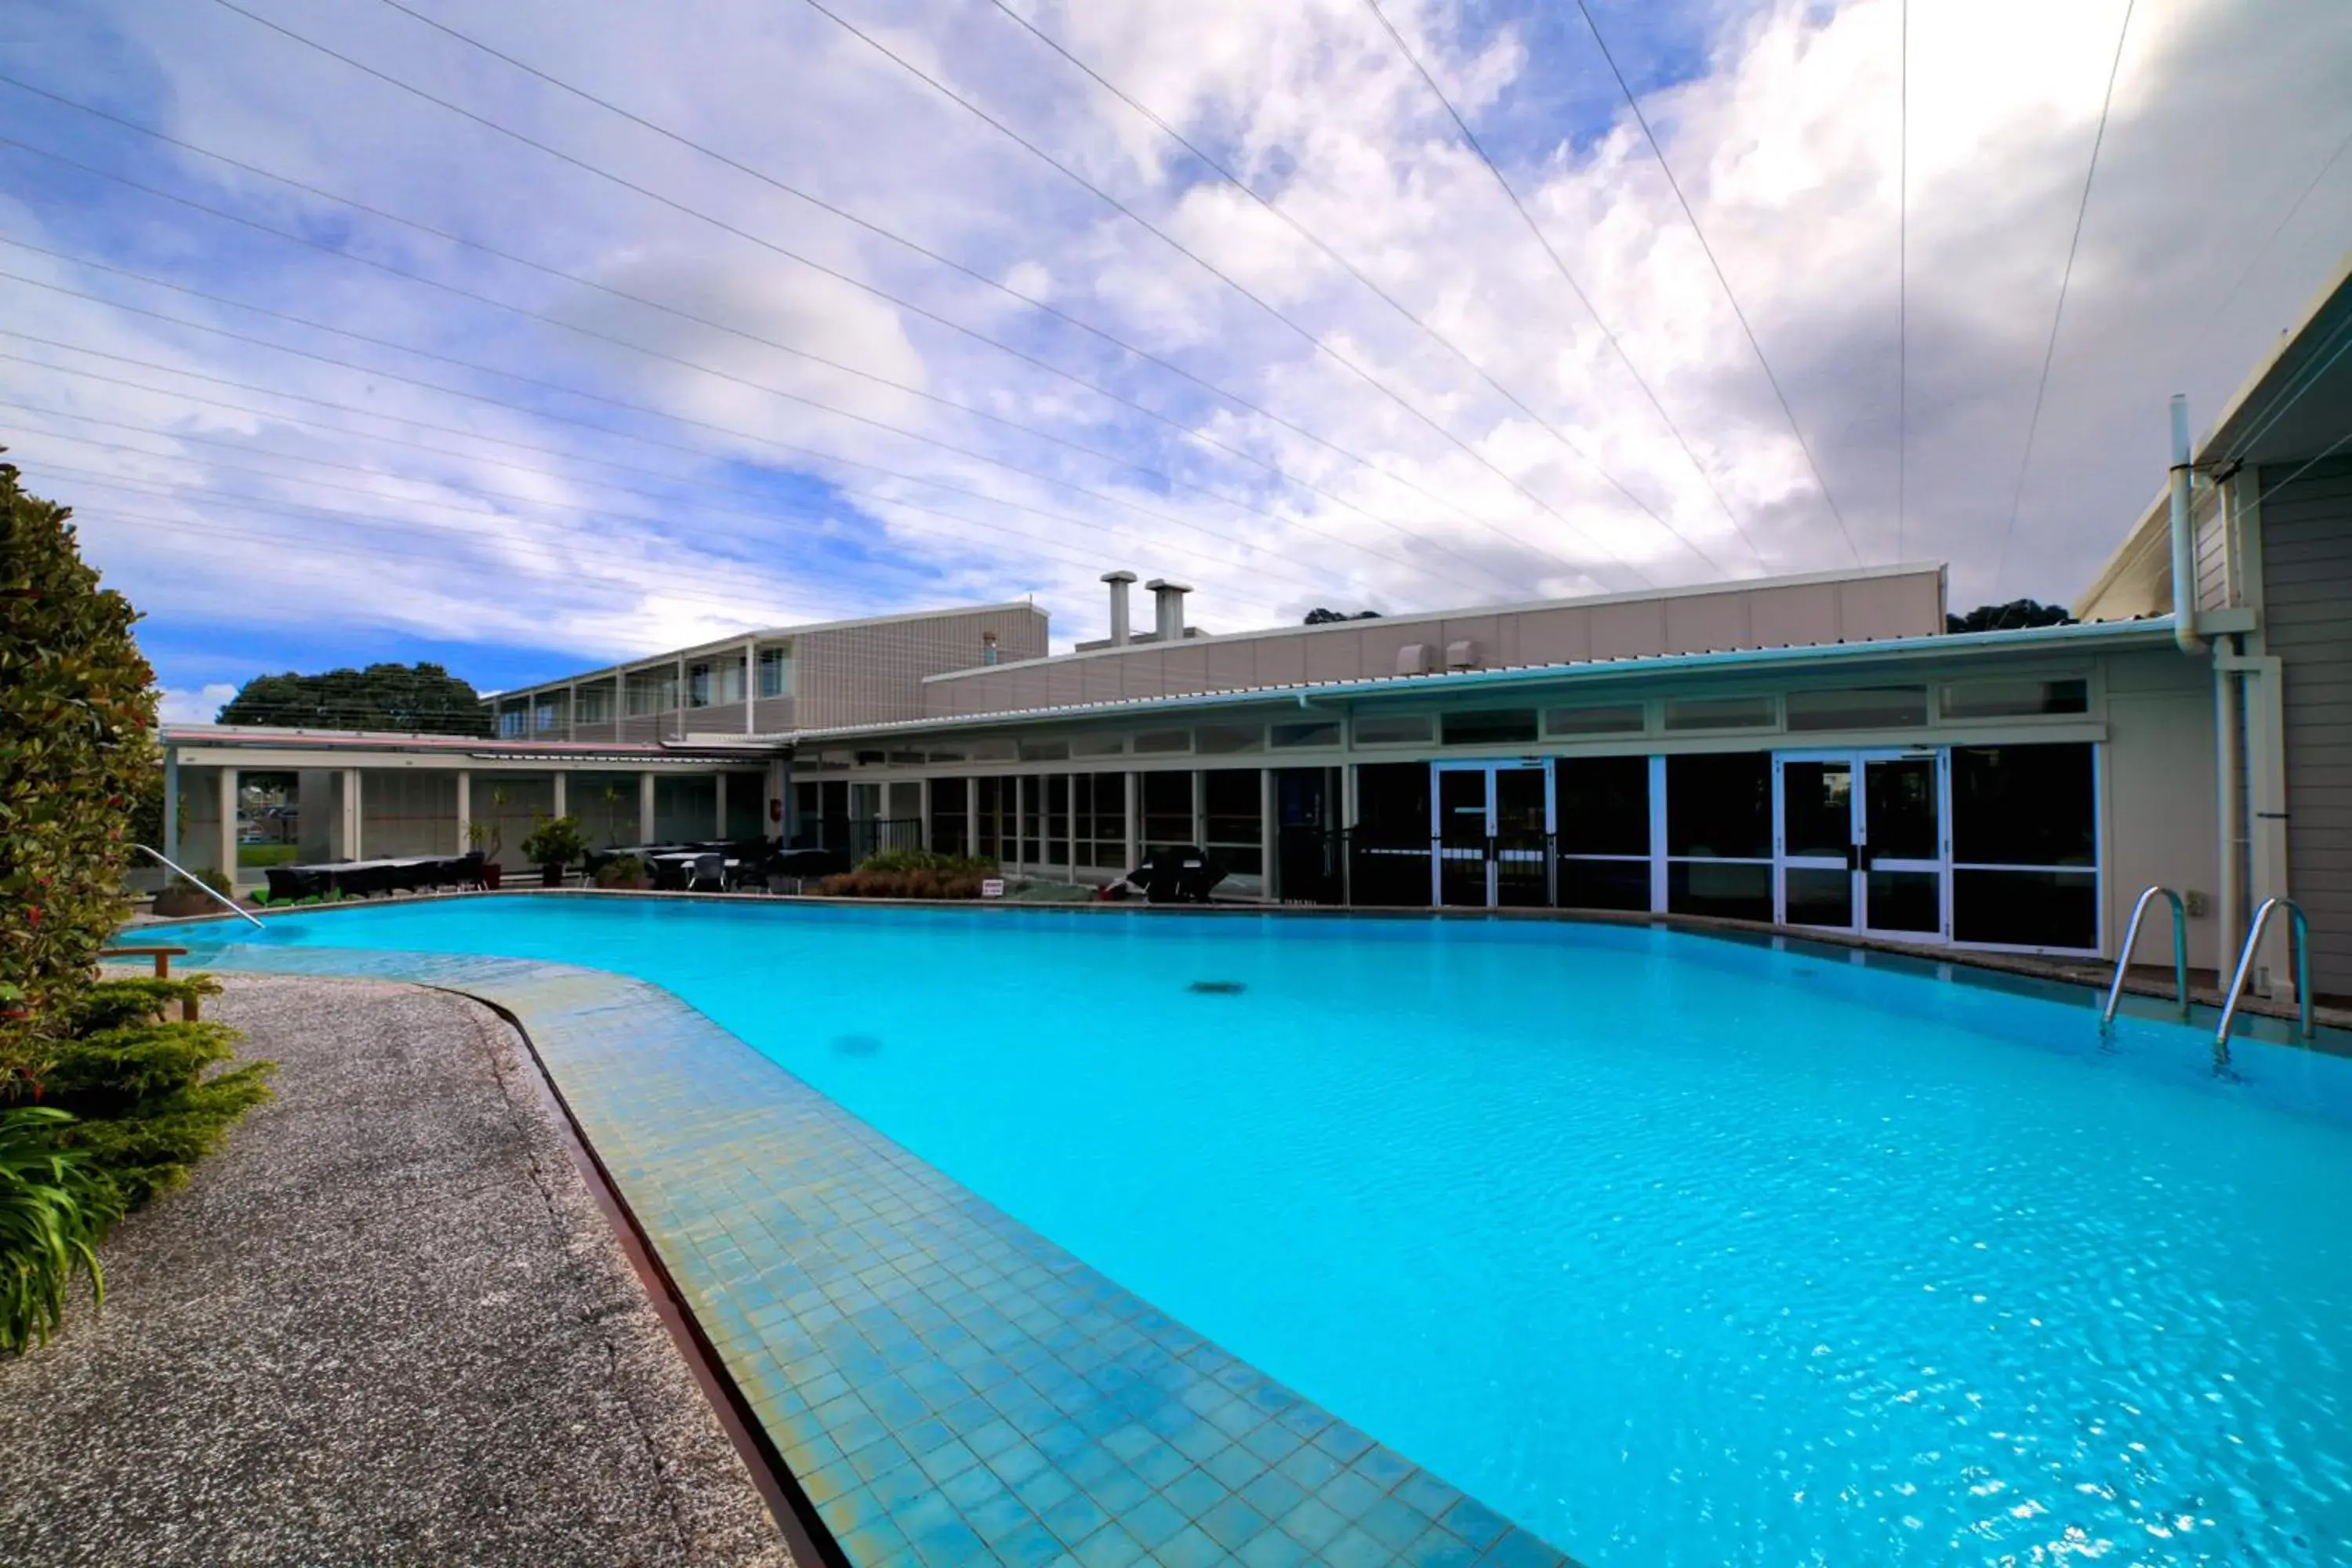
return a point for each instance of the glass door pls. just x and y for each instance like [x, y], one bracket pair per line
[1861, 842]
[1493, 823]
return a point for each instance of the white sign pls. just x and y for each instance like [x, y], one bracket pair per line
[992, 888]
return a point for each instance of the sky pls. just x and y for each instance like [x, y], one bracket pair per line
[529, 337]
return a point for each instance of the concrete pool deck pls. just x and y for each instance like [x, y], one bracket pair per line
[947, 1385]
[387, 1323]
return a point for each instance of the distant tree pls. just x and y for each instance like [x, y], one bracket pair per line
[2008, 617]
[1319, 616]
[408, 699]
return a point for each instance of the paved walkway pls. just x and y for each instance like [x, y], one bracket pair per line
[386, 1324]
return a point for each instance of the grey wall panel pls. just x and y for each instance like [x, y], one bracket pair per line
[2308, 621]
[874, 674]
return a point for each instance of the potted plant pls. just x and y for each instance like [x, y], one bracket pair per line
[624, 871]
[485, 840]
[554, 843]
[185, 896]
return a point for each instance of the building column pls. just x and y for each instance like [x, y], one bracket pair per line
[561, 793]
[1134, 820]
[351, 815]
[644, 808]
[465, 810]
[751, 685]
[571, 714]
[971, 817]
[229, 825]
[1267, 834]
[718, 806]
[923, 813]
[1200, 809]
[2266, 827]
[1070, 818]
[779, 791]
[171, 803]
[1019, 818]
[679, 692]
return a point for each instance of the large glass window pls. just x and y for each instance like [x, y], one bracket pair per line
[1624, 718]
[1232, 812]
[1602, 807]
[1055, 849]
[1720, 835]
[949, 798]
[1227, 738]
[1721, 713]
[2015, 698]
[1395, 730]
[1314, 732]
[1099, 810]
[776, 671]
[1167, 810]
[1052, 751]
[652, 691]
[1388, 862]
[1164, 740]
[1862, 708]
[727, 681]
[697, 686]
[595, 704]
[2025, 844]
[1491, 727]
[993, 798]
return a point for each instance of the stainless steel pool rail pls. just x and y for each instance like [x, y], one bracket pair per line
[2131, 939]
[2300, 934]
[204, 888]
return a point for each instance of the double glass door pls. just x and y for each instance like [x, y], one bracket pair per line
[1862, 842]
[1491, 824]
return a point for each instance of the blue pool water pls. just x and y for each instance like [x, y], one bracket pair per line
[1676, 1250]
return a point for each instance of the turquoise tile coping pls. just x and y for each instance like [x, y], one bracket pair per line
[949, 1386]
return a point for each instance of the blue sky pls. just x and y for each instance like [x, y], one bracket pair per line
[544, 409]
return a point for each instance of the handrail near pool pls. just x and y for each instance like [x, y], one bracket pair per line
[2300, 931]
[2131, 938]
[204, 887]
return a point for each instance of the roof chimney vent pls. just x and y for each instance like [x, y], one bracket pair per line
[1167, 608]
[1118, 621]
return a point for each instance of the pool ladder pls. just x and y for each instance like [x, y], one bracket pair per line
[2179, 955]
[2300, 930]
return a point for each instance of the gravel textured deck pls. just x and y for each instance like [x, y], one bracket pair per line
[386, 1324]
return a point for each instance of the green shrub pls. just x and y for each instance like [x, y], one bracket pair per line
[624, 871]
[113, 1003]
[927, 860]
[53, 1211]
[554, 841]
[147, 1111]
[77, 756]
[927, 882]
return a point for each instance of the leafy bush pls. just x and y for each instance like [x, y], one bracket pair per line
[206, 876]
[927, 882]
[147, 1109]
[53, 1211]
[115, 1004]
[77, 756]
[624, 871]
[554, 841]
[927, 860]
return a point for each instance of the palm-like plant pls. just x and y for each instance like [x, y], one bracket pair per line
[53, 1210]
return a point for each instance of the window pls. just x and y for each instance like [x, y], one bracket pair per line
[994, 807]
[1720, 835]
[1720, 713]
[776, 671]
[652, 691]
[728, 682]
[1867, 708]
[510, 721]
[994, 751]
[697, 686]
[1164, 740]
[1045, 751]
[595, 704]
[1223, 740]
[2015, 698]
[1491, 727]
[1098, 816]
[1626, 719]
[1320, 732]
[1395, 730]
[1167, 810]
[2025, 844]
[1603, 812]
[1230, 812]
[1055, 848]
[1097, 745]
[1389, 858]
[548, 714]
[948, 801]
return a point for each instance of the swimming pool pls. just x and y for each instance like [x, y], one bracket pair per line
[1676, 1250]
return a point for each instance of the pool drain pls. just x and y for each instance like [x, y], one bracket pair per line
[1217, 987]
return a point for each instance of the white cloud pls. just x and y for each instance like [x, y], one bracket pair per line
[200, 706]
[572, 523]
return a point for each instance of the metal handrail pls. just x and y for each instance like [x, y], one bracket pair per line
[204, 887]
[2131, 939]
[2300, 934]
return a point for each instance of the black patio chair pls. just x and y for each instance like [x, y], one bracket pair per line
[1182, 875]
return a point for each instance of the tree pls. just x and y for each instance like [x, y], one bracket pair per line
[1318, 616]
[418, 699]
[2008, 617]
[77, 754]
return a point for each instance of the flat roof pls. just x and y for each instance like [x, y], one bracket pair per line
[489, 748]
[2152, 630]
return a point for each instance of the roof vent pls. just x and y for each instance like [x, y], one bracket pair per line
[1118, 619]
[1461, 654]
[1167, 608]
[1413, 658]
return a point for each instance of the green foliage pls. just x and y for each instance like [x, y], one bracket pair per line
[418, 699]
[2008, 617]
[554, 840]
[53, 1210]
[927, 860]
[924, 882]
[76, 755]
[139, 999]
[148, 1110]
[624, 871]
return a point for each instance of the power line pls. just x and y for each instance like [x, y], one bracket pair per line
[1183, 429]
[1567, 275]
[1237, 182]
[501, 495]
[2050, 350]
[1305, 334]
[532, 381]
[1666, 167]
[2271, 238]
[1452, 507]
